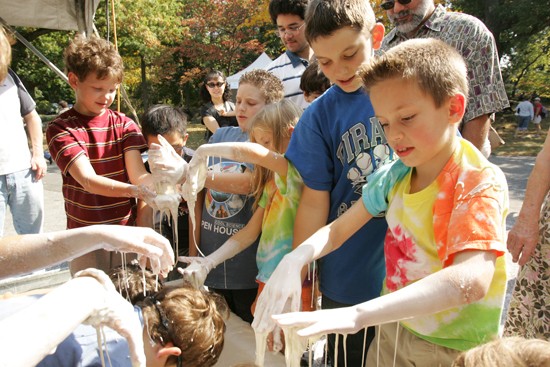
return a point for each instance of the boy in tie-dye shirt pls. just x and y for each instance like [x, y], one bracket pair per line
[446, 207]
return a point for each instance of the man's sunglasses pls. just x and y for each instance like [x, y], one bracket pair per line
[212, 84]
[387, 5]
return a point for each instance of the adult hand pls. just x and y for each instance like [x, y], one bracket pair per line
[281, 293]
[346, 320]
[197, 271]
[522, 239]
[143, 241]
[117, 314]
[39, 167]
[165, 162]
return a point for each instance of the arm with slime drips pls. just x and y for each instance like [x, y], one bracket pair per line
[18, 254]
[55, 315]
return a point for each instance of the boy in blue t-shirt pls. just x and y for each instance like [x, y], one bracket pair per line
[335, 146]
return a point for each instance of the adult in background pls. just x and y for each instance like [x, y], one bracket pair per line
[525, 113]
[288, 16]
[21, 169]
[529, 313]
[214, 92]
[538, 114]
[472, 39]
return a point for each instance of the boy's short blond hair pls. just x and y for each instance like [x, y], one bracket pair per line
[271, 87]
[324, 17]
[84, 56]
[5, 54]
[513, 351]
[438, 68]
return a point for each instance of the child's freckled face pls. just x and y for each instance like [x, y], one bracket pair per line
[249, 102]
[415, 128]
[264, 138]
[341, 54]
[93, 96]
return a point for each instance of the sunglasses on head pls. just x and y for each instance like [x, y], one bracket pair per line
[213, 84]
[387, 5]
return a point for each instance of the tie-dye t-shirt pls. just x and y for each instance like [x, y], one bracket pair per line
[463, 209]
[280, 200]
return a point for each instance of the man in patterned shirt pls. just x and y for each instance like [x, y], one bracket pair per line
[472, 39]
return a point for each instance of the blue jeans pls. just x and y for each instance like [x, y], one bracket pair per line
[523, 122]
[25, 197]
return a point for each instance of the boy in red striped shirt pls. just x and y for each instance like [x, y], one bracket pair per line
[98, 150]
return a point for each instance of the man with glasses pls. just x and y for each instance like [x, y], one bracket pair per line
[472, 39]
[288, 16]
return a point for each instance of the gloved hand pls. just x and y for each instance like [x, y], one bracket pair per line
[165, 163]
[148, 244]
[143, 192]
[282, 291]
[119, 315]
[345, 320]
[196, 177]
[197, 271]
[199, 267]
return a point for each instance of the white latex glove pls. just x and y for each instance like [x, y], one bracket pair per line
[166, 163]
[140, 240]
[199, 267]
[284, 286]
[196, 177]
[345, 320]
[143, 192]
[197, 271]
[117, 314]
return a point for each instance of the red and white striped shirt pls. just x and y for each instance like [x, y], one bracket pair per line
[104, 140]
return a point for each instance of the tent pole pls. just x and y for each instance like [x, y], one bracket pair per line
[34, 50]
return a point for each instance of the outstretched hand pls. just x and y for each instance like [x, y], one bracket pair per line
[344, 320]
[117, 314]
[140, 240]
[197, 271]
[281, 293]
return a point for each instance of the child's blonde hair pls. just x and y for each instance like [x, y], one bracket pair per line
[436, 67]
[324, 17]
[5, 54]
[513, 351]
[279, 119]
[84, 56]
[269, 85]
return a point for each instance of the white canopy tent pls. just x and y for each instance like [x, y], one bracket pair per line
[260, 63]
[75, 15]
[64, 15]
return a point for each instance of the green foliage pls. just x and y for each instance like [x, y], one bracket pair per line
[42, 83]
[168, 45]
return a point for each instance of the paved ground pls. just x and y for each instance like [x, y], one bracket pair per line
[516, 169]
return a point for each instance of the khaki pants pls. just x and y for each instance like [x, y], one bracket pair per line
[411, 350]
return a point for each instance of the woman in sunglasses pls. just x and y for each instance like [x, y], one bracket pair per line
[217, 108]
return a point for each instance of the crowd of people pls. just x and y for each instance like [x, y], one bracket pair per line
[313, 183]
